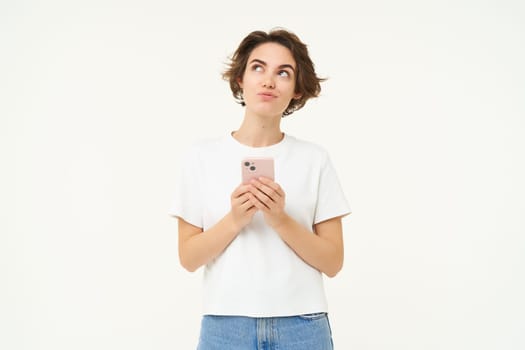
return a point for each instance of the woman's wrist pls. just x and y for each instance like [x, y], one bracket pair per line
[230, 222]
[282, 222]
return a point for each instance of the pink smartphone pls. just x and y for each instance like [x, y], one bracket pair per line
[254, 167]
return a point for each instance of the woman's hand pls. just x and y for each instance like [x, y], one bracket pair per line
[242, 206]
[198, 247]
[323, 249]
[269, 197]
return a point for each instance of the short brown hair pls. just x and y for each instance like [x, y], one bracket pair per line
[307, 83]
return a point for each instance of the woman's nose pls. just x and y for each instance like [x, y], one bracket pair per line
[268, 82]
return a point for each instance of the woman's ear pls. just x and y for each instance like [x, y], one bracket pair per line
[239, 81]
[297, 96]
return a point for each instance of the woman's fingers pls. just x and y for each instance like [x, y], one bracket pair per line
[267, 193]
[239, 191]
[271, 186]
[242, 199]
[263, 198]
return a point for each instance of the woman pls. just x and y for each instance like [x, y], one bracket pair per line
[264, 244]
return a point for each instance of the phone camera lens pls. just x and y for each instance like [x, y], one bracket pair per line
[246, 163]
[252, 168]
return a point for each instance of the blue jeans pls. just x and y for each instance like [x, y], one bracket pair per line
[304, 332]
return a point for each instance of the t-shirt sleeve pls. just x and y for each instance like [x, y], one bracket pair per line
[331, 201]
[187, 204]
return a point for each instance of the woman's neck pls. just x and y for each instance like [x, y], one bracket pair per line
[259, 131]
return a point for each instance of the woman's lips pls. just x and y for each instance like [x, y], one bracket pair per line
[266, 96]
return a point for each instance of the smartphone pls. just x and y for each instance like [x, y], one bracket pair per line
[254, 167]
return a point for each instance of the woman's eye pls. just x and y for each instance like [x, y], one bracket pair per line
[257, 68]
[284, 73]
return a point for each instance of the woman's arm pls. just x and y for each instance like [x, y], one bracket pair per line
[198, 247]
[322, 249]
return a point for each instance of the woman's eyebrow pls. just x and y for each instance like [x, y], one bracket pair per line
[280, 67]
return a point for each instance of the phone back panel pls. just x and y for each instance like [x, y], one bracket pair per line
[254, 167]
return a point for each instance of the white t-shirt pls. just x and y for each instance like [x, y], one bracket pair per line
[258, 275]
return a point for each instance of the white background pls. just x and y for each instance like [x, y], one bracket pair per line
[423, 115]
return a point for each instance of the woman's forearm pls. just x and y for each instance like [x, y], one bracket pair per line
[197, 247]
[324, 254]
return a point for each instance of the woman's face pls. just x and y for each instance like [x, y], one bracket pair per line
[268, 82]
